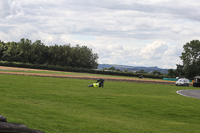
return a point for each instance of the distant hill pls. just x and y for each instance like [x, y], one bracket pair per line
[133, 68]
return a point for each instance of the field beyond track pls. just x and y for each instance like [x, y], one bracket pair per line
[65, 105]
[59, 74]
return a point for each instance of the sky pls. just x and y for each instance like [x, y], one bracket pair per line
[124, 32]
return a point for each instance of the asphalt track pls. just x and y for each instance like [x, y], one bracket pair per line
[190, 93]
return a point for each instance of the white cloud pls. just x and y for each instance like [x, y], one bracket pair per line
[162, 53]
[154, 50]
[158, 53]
[16, 9]
[128, 32]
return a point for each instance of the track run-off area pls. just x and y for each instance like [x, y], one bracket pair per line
[30, 72]
[34, 72]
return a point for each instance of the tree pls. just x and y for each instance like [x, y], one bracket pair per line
[171, 73]
[37, 53]
[141, 71]
[24, 49]
[156, 72]
[179, 70]
[125, 70]
[111, 68]
[2, 49]
[191, 58]
[118, 70]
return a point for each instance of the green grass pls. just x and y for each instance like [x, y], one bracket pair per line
[58, 105]
[71, 73]
[61, 72]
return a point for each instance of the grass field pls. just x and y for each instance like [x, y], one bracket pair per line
[64, 73]
[59, 105]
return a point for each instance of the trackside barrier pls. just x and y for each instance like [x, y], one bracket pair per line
[170, 79]
[173, 79]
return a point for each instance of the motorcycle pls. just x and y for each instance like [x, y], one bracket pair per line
[99, 83]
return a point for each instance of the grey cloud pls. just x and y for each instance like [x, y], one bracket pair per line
[111, 23]
[4, 8]
[16, 8]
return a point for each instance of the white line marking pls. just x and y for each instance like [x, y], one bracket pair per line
[181, 93]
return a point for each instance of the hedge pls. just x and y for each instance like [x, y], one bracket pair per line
[75, 69]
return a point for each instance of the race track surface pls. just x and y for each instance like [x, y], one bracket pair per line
[190, 93]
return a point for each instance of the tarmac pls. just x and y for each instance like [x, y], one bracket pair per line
[190, 93]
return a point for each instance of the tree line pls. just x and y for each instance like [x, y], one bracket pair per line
[25, 51]
[190, 57]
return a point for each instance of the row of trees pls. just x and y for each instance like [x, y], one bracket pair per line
[25, 51]
[191, 61]
[138, 72]
[37, 53]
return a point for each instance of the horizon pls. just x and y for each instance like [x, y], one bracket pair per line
[135, 66]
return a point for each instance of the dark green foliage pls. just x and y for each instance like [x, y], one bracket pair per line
[156, 72]
[141, 72]
[191, 58]
[37, 53]
[178, 72]
[171, 73]
[111, 68]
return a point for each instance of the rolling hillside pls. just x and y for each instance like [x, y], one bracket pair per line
[133, 68]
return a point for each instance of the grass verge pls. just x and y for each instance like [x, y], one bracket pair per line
[57, 105]
[71, 73]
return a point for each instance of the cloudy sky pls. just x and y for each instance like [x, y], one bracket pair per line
[125, 32]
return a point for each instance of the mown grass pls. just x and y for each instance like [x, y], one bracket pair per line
[58, 105]
[70, 73]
